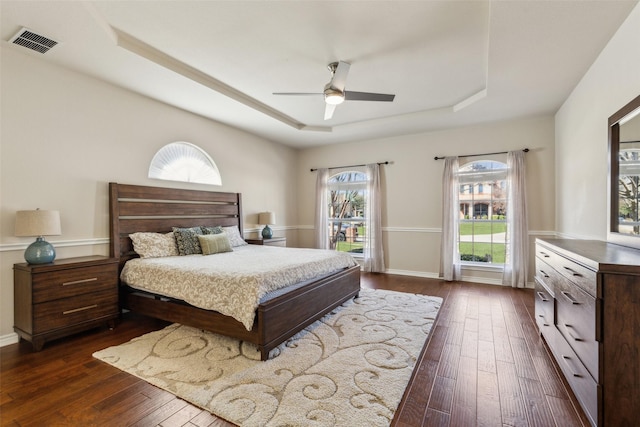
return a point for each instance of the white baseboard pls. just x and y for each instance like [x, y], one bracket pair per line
[412, 273]
[8, 339]
[483, 280]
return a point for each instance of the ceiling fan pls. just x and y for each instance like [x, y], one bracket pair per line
[335, 94]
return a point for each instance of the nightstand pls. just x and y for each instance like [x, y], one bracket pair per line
[64, 297]
[274, 241]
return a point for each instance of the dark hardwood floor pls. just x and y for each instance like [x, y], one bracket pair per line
[485, 365]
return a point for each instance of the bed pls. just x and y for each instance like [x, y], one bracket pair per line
[135, 208]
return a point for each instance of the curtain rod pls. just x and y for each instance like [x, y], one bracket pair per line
[526, 150]
[350, 166]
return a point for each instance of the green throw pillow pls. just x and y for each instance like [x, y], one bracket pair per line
[214, 244]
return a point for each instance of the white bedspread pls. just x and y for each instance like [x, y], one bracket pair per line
[231, 283]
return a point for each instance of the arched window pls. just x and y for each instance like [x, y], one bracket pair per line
[482, 220]
[185, 162]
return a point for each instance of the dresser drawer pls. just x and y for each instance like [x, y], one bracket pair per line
[544, 308]
[547, 275]
[576, 321]
[578, 274]
[583, 385]
[74, 281]
[56, 314]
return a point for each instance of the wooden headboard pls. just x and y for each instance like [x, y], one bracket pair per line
[134, 208]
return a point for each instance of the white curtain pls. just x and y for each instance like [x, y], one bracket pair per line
[517, 238]
[373, 251]
[322, 209]
[449, 251]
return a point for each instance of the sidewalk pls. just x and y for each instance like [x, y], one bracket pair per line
[485, 238]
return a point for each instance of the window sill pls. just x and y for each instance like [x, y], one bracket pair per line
[481, 266]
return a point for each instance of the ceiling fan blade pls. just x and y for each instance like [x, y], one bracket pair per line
[298, 93]
[367, 96]
[340, 75]
[328, 111]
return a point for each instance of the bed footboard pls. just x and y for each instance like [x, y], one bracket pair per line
[276, 321]
[288, 314]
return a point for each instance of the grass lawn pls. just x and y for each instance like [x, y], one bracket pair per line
[468, 228]
[349, 247]
[482, 249]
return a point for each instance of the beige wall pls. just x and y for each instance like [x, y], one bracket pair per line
[581, 134]
[412, 186]
[65, 136]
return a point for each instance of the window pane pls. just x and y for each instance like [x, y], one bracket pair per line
[347, 222]
[483, 211]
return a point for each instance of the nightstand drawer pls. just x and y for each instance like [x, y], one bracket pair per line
[70, 282]
[70, 311]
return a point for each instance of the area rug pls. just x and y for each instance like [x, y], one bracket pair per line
[349, 368]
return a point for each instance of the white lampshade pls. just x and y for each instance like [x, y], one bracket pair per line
[267, 218]
[38, 223]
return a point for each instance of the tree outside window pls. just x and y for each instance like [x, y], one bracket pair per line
[346, 215]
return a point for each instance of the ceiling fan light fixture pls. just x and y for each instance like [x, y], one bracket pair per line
[333, 96]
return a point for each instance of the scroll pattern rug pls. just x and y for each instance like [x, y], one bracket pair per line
[348, 369]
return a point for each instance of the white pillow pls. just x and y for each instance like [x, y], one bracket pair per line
[154, 245]
[233, 233]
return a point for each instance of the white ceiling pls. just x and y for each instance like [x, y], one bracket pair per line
[449, 63]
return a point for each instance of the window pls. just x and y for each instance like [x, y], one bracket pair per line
[346, 211]
[483, 212]
[185, 162]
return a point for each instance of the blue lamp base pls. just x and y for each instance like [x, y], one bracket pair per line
[266, 232]
[40, 252]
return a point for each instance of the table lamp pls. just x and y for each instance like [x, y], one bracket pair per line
[38, 223]
[267, 218]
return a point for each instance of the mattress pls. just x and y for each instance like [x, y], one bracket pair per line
[232, 283]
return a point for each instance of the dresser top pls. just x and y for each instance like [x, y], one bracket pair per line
[596, 254]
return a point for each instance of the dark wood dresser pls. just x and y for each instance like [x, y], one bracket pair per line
[66, 296]
[588, 311]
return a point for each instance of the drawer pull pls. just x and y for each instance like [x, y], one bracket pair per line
[546, 276]
[544, 323]
[569, 327]
[571, 299]
[77, 282]
[544, 254]
[542, 296]
[573, 272]
[566, 360]
[75, 310]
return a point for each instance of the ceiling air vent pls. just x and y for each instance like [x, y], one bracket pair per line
[33, 41]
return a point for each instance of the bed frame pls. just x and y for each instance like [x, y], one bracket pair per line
[154, 209]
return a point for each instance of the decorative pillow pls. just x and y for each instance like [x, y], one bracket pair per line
[214, 243]
[154, 245]
[187, 240]
[212, 230]
[233, 233]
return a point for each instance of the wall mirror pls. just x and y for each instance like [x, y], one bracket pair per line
[624, 175]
